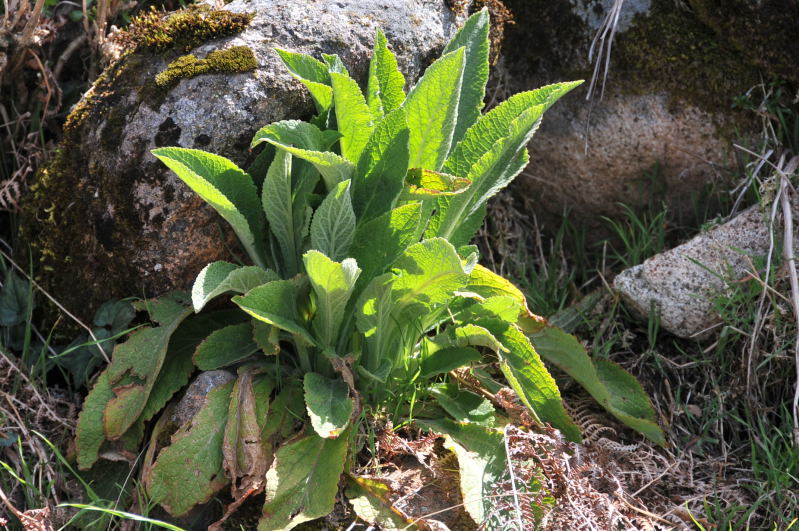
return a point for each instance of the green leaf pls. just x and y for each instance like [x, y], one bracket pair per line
[222, 277]
[429, 183]
[189, 471]
[302, 482]
[352, 115]
[489, 174]
[296, 133]
[531, 380]
[313, 74]
[370, 500]
[267, 337]
[615, 389]
[333, 225]
[495, 125]
[275, 303]
[334, 63]
[133, 371]
[473, 37]
[332, 283]
[380, 174]
[379, 242]
[225, 187]
[374, 320]
[464, 406]
[386, 87]
[89, 434]
[429, 273]
[481, 462]
[225, 346]
[334, 168]
[329, 404]
[278, 204]
[432, 108]
[14, 299]
[447, 359]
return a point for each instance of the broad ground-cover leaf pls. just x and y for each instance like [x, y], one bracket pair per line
[370, 500]
[134, 369]
[448, 359]
[380, 241]
[302, 482]
[380, 173]
[333, 224]
[386, 87]
[464, 406]
[89, 435]
[189, 471]
[222, 277]
[332, 283]
[610, 385]
[531, 380]
[481, 461]
[473, 37]
[353, 117]
[329, 404]
[225, 346]
[432, 111]
[275, 303]
[227, 188]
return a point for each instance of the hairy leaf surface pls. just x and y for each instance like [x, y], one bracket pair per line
[222, 277]
[432, 111]
[329, 404]
[352, 115]
[302, 482]
[380, 241]
[386, 87]
[225, 346]
[189, 471]
[332, 283]
[380, 173]
[473, 37]
[275, 303]
[333, 224]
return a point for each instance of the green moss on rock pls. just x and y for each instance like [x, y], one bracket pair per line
[232, 60]
[670, 50]
[184, 29]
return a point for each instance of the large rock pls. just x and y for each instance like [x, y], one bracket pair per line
[682, 282]
[662, 131]
[106, 219]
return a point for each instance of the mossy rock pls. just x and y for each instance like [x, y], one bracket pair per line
[105, 219]
[661, 129]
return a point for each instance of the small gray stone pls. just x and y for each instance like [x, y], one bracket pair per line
[681, 288]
